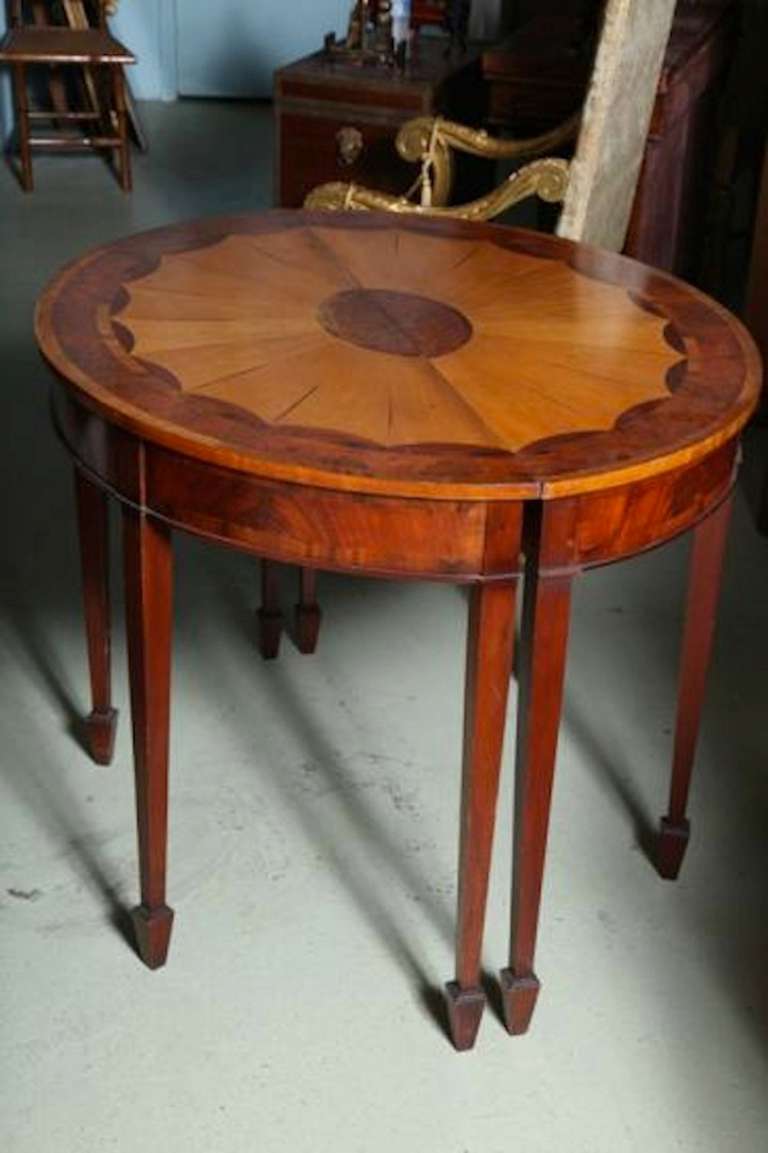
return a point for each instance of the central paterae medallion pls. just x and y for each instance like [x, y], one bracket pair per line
[401, 323]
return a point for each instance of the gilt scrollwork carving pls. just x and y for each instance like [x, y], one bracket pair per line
[547, 178]
[431, 141]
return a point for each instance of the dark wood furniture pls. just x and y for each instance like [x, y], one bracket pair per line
[540, 74]
[410, 399]
[338, 121]
[55, 46]
[450, 15]
[425, 14]
[676, 192]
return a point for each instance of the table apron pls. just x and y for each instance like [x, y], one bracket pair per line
[454, 540]
[597, 528]
[322, 528]
[457, 541]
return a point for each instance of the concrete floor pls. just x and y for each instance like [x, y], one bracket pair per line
[314, 823]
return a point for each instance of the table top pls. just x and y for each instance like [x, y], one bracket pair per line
[376, 354]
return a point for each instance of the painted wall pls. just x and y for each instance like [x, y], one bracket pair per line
[148, 27]
[237, 53]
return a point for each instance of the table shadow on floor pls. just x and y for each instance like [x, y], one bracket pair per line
[351, 806]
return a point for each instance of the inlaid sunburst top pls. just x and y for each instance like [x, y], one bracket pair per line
[381, 350]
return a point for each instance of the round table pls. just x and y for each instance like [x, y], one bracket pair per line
[420, 399]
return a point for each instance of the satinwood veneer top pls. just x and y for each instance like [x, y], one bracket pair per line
[411, 358]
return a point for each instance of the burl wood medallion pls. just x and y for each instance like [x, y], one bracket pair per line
[421, 399]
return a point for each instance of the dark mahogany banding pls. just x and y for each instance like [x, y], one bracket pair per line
[674, 338]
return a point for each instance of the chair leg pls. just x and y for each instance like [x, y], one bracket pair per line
[93, 522]
[22, 121]
[126, 181]
[308, 614]
[706, 567]
[105, 102]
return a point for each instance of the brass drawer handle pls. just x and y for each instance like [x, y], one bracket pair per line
[349, 143]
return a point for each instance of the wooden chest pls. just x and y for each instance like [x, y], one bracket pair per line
[338, 121]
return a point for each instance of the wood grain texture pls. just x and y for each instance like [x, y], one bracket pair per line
[435, 539]
[594, 401]
[582, 370]
[438, 539]
[398, 323]
[544, 640]
[490, 643]
[148, 606]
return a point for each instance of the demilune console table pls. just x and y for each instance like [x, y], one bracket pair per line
[410, 399]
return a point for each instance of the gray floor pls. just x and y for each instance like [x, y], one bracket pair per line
[313, 832]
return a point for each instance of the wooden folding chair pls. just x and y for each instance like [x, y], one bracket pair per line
[53, 45]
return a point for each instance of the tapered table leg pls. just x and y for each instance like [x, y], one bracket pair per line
[148, 603]
[705, 578]
[308, 613]
[93, 526]
[489, 666]
[270, 615]
[541, 670]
